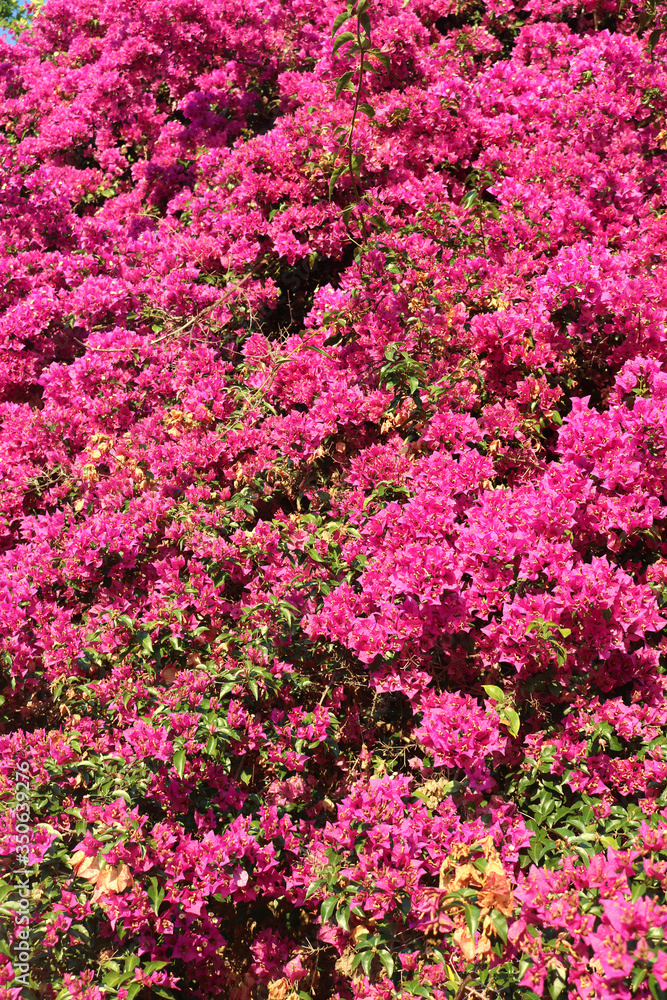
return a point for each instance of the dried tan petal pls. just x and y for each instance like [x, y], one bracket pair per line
[465, 942]
[497, 890]
[102, 882]
[344, 963]
[122, 879]
[489, 848]
[85, 867]
[279, 989]
[112, 879]
[76, 860]
[483, 946]
[465, 877]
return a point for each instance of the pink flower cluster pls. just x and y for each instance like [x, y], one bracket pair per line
[333, 566]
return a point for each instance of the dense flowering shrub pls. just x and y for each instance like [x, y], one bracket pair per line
[334, 489]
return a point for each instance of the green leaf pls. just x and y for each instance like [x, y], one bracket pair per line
[638, 888]
[114, 979]
[416, 989]
[380, 223]
[366, 109]
[313, 887]
[343, 83]
[381, 57]
[327, 909]
[343, 917]
[340, 20]
[472, 914]
[387, 961]
[512, 719]
[495, 693]
[346, 213]
[656, 992]
[367, 961]
[155, 894]
[179, 762]
[499, 921]
[154, 966]
[557, 984]
[320, 350]
[132, 990]
[334, 177]
[638, 978]
[345, 36]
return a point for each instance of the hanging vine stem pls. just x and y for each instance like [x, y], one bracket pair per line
[362, 48]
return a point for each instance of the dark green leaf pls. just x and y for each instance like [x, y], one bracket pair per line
[343, 83]
[387, 961]
[154, 966]
[381, 57]
[155, 894]
[340, 20]
[472, 914]
[313, 887]
[638, 978]
[343, 917]
[334, 177]
[556, 983]
[367, 961]
[499, 921]
[345, 36]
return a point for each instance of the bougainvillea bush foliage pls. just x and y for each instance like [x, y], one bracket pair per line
[333, 451]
